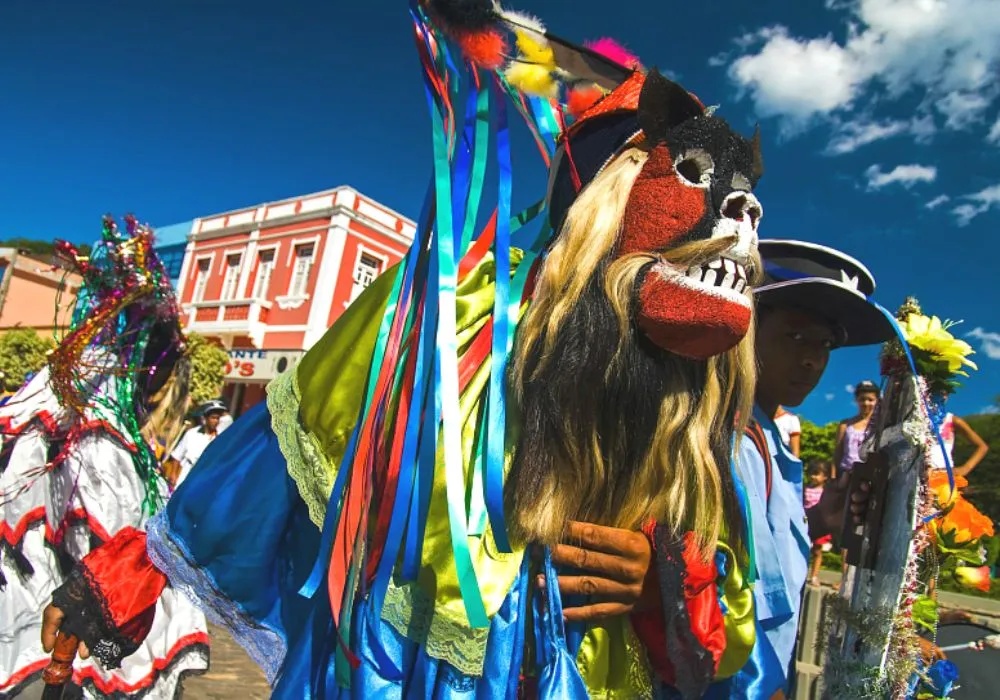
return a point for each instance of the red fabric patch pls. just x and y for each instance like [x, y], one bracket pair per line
[126, 582]
[689, 322]
[704, 613]
[660, 208]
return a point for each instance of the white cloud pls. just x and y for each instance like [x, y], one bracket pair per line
[943, 52]
[830, 397]
[962, 109]
[849, 388]
[989, 342]
[797, 79]
[977, 203]
[905, 175]
[852, 135]
[937, 201]
[994, 135]
[989, 410]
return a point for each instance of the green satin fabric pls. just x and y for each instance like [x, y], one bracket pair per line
[737, 594]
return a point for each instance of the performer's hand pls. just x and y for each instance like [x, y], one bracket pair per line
[52, 618]
[612, 565]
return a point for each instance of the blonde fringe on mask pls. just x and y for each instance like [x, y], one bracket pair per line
[680, 481]
[587, 236]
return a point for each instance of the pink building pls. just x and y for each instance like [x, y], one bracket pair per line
[33, 294]
[267, 281]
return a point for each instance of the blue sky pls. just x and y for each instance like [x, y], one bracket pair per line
[880, 124]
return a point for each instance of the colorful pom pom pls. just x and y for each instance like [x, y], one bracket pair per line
[609, 48]
[580, 99]
[485, 49]
[535, 49]
[532, 79]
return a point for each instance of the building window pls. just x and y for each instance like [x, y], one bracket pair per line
[367, 269]
[265, 266]
[201, 279]
[303, 266]
[232, 279]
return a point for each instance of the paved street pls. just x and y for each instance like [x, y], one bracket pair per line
[231, 676]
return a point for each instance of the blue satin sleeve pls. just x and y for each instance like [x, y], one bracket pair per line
[236, 537]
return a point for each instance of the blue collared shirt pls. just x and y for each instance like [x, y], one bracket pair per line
[781, 544]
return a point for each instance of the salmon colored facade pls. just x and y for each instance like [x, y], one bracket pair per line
[34, 295]
[267, 281]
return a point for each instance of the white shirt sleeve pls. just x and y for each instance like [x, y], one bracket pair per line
[793, 425]
[181, 450]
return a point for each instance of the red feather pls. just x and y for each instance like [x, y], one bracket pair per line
[609, 48]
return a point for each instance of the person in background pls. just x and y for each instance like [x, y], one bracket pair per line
[949, 425]
[226, 419]
[817, 474]
[851, 431]
[194, 442]
[790, 429]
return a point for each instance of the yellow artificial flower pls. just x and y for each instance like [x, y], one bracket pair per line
[932, 336]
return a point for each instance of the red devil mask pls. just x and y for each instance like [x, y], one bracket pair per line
[695, 185]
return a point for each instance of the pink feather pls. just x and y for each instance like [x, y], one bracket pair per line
[610, 48]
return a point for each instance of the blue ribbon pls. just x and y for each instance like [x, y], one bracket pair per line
[496, 435]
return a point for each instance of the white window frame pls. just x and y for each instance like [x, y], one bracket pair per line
[357, 288]
[198, 292]
[302, 291]
[231, 285]
[275, 251]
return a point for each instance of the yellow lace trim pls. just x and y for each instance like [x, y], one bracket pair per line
[411, 613]
[311, 470]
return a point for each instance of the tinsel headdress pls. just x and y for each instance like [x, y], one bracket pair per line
[123, 341]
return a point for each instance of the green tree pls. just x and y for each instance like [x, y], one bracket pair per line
[208, 363]
[984, 483]
[22, 352]
[817, 442]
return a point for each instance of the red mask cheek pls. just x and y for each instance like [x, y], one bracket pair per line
[660, 208]
[687, 321]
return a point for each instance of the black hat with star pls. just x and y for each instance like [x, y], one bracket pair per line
[825, 281]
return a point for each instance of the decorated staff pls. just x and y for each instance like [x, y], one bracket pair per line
[918, 527]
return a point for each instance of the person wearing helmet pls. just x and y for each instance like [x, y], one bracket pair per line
[194, 442]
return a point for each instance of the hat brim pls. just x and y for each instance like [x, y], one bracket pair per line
[861, 321]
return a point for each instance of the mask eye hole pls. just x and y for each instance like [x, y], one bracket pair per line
[695, 168]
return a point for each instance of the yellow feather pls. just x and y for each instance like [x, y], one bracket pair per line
[534, 49]
[532, 79]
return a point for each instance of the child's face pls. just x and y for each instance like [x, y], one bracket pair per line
[818, 478]
[866, 402]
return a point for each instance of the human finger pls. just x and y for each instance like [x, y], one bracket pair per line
[610, 540]
[598, 611]
[595, 562]
[606, 589]
[82, 651]
[52, 618]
